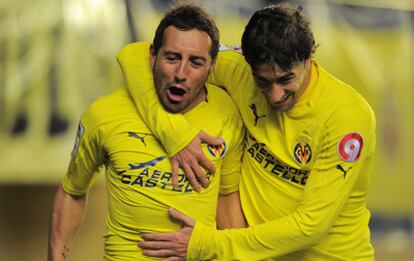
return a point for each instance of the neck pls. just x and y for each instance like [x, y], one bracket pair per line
[200, 97]
[307, 77]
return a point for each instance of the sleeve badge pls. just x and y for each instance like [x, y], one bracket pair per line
[350, 147]
[79, 135]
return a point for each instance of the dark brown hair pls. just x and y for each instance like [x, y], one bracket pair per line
[278, 34]
[186, 17]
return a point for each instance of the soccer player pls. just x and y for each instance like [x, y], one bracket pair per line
[307, 159]
[138, 173]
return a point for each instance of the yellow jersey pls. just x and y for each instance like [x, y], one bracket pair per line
[138, 171]
[305, 172]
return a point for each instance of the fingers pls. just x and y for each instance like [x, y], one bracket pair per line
[173, 244]
[174, 258]
[199, 173]
[177, 215]
[191, 177]
[205, 138]
[161, 253]
[172, 236]
[169, 245]
[192, 159]
[155, 245]
[174, 170]
[207, 164]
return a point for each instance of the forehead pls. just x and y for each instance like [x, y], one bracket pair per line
[270, 69]
[191, 41]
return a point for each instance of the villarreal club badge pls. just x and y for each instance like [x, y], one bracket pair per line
[302, 153]
[217, 151]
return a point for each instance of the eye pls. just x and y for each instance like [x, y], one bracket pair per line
[286, 79]
[262, 83]
[197, 63]
[171, 58]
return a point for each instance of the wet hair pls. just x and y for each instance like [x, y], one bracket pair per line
[187, 17]
[278, 34]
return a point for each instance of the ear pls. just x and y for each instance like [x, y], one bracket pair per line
[308, 63]
[213, 64]
[153, 56]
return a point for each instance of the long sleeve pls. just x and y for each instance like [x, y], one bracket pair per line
[329, 187]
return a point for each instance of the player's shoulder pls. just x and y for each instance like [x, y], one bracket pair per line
[108, 107]
[230, 52]
[341, 95]
[343, 104]
[133, 53]
[220, 100]
[234, 47]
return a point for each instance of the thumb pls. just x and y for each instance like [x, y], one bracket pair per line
[205, 138]
[180, 217]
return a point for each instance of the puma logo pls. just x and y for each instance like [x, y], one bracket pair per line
[342, 169]
[254, 110]
[141, 138]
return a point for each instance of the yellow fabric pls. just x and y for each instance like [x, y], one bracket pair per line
[298, 208]
[138, 171]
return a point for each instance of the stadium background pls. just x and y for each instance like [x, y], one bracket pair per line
[56, 56]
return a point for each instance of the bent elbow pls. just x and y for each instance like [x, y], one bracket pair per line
[313, 233]
[314, 238]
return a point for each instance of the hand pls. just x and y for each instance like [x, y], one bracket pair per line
[190, 158]
[172, 246]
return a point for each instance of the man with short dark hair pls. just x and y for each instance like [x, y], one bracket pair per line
[307, 159]
[138, 174]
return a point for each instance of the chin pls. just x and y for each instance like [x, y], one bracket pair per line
[172, 108]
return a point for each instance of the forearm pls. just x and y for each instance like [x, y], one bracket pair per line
[304, 228]
[259, 242]
[67, 214]
[229, 212]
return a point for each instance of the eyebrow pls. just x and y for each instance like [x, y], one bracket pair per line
[260, 78]
[191, 56]
[172, 53]
[285, 77]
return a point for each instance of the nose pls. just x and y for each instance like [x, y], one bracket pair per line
[181, 72]
[275, 93]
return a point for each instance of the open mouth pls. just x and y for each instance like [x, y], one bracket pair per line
[176, 91]
[176, 94]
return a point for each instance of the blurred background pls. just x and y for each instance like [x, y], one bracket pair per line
[56, 56]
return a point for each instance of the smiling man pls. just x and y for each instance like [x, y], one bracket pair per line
[138, 174]
[307, 158]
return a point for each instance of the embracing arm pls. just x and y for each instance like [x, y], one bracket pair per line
[184, 149]
[303, 229]
[329, 187]
[67, 215]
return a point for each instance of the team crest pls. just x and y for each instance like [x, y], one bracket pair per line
[79, 134]
[217, 151]
[350, 146]
[302, 153]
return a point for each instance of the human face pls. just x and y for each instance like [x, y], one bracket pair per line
[181, 68]
[282, 89]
